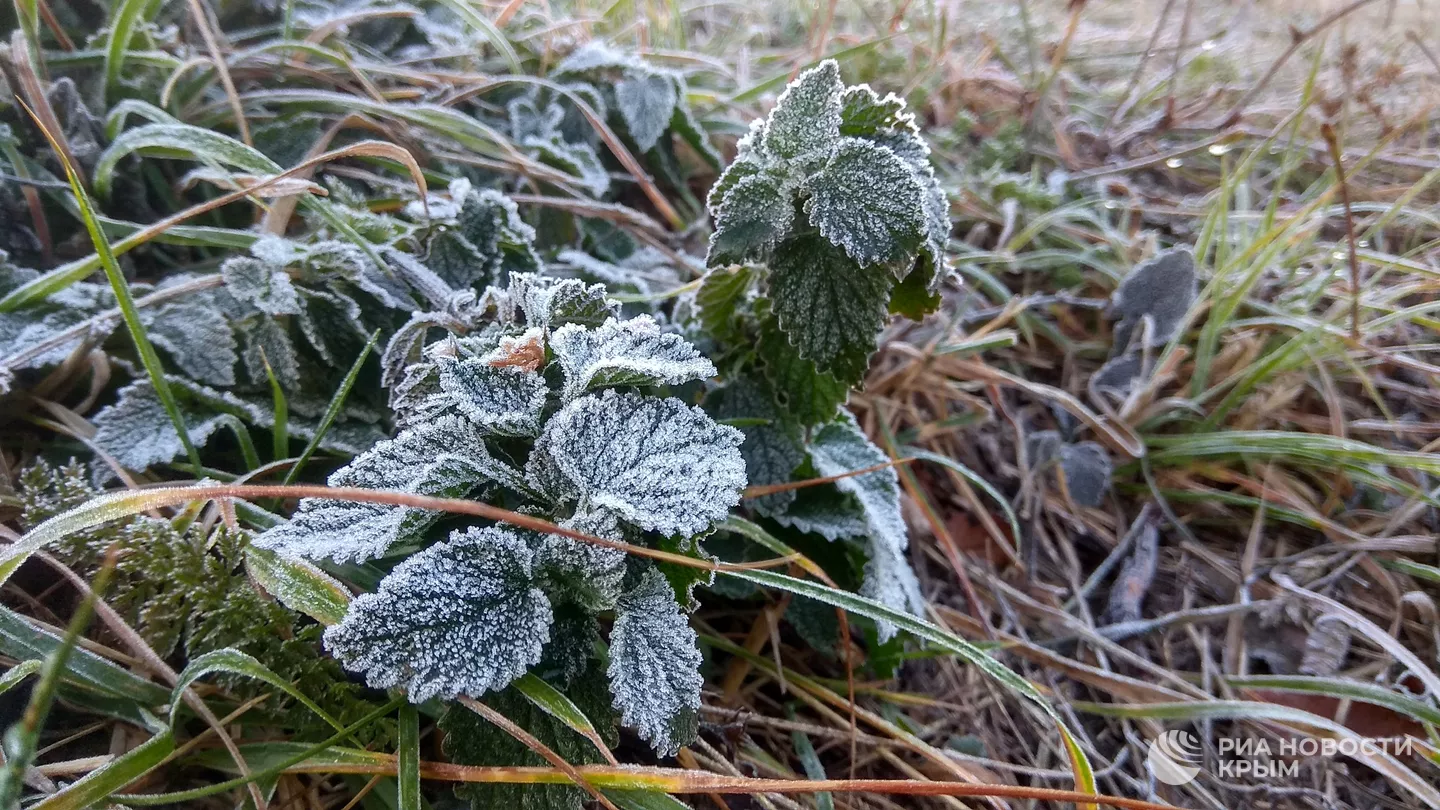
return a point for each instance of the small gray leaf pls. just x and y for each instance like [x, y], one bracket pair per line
[1162, 288]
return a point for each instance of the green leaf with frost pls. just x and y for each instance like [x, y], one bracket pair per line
[629, 352]
[443, 458]
[840, 448]
[753, 218]
[419, 631]
[868, 201]
[654, 463]
[263, 285]
[196, 335]
[550, 303]
[806, 118]
[499, 400]
[721, 294]
[772, 449]
[647, 103]
[829, 308]
[801, 389]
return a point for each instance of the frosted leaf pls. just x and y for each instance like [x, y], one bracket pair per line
[1087, 471]
[802, 390]
[654, 463]
[825, 511]
[739, 169]
[595, 55]
[864, 114]
[754, 217]
[719, 298]
[331, 324]
[829, 308]
[197, 337]
[655, 666]
[443, 458]
[630, 352]
[839, 448]
[578, 159]
[261, 284]
[487, 240]
[1163, 289]
[137, 432]
[544, 476]
[549, 303]
[868, 201]
[266, 341]
[806, 117]
[500, 400]
[1043, 447]
[342, 260]
[462, 617]
[584, 573]
[771, 449]
[647, 103]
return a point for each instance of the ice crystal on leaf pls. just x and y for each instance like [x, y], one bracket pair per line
[655, 666]
[444, 458]
[632, 352]
[462, 617]
[655, 463]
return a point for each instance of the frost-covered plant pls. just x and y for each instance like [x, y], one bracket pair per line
[543, 406]
[829, 216]
[645, 104]
[833, 194]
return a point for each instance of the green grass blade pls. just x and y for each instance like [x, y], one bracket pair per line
[333, 411]
[14, 675]
[21, 640]
[554, 703]
[408, 756]
[22, 739]
[299, 585]
[129, 14]
[1342, 689]
[234, 662]
[126, 302]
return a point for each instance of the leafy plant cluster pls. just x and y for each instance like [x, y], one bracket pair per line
[644, 103]
[545, 407]
[829, 217]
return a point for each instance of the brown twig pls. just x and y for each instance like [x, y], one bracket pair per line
[1333, 141]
